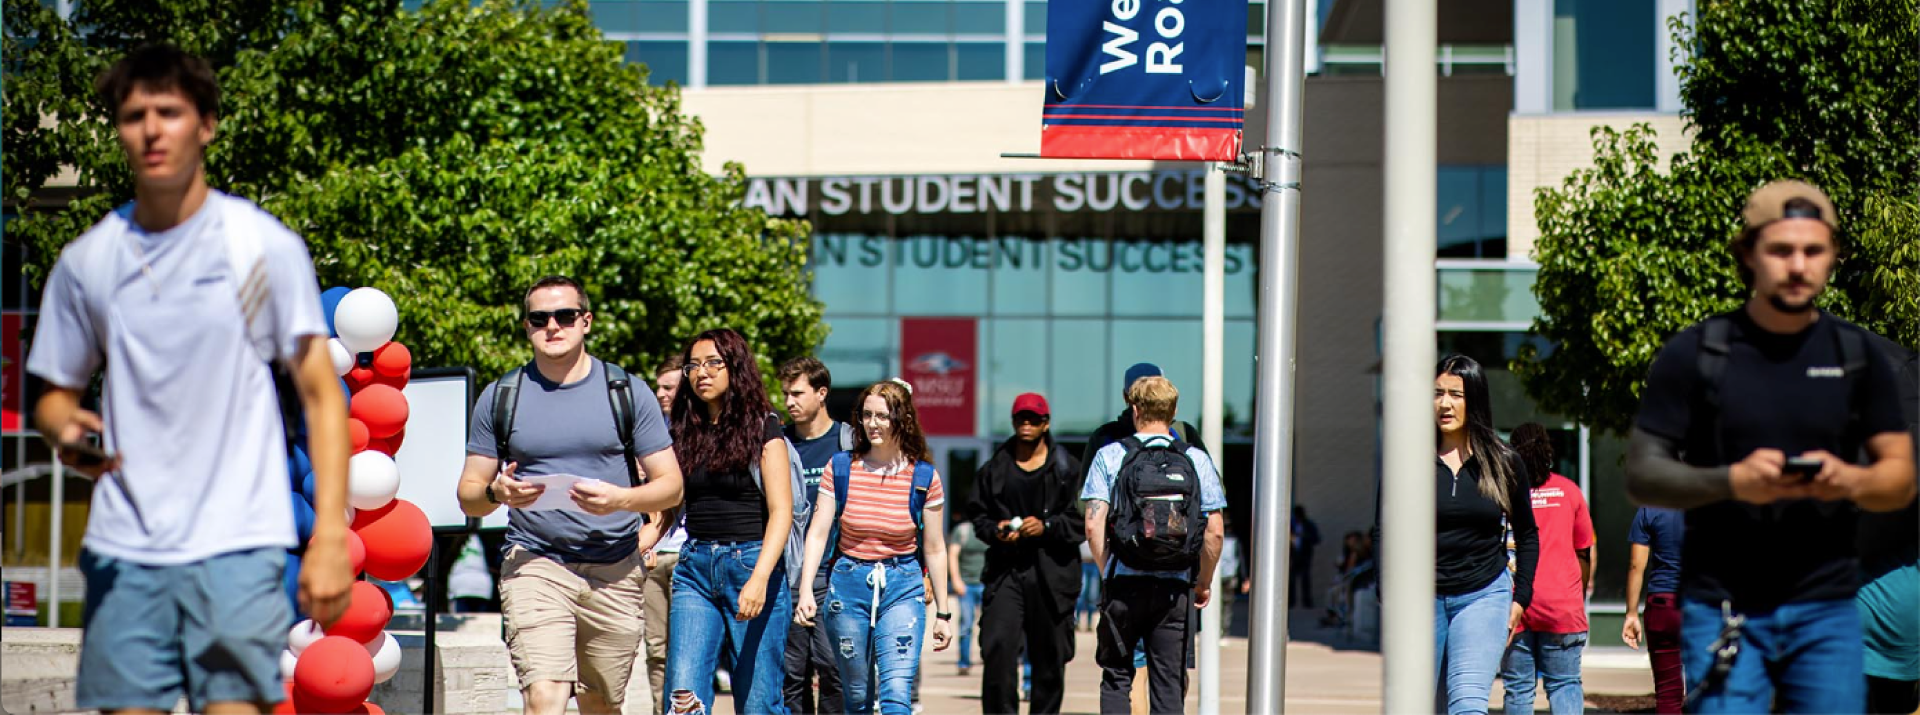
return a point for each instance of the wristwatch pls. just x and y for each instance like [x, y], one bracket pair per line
[490, 496]
[943, 615]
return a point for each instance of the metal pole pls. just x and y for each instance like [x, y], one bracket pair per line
[1273, 438]
[697, 44]
[1408, 360]
[53, 544]
[1213, 330]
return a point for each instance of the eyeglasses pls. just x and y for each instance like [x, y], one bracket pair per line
[566, 317]
[713, 365]
[876, 417]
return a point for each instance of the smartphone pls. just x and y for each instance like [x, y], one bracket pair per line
[84, 455]
[1801, 469]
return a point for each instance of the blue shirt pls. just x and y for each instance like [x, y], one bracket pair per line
[1661, 531]
[814, 455]
[1106, 465]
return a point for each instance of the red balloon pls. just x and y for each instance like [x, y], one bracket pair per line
[389, 446]
[392, 360]
[397, 382]
[356, 552]
[358, 379]
[358, 435]
[368, 709]
[383, 408]
[399, 538]
[363, 517]
[333, 675]
[367, 614]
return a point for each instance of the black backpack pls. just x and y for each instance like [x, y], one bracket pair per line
[506, 400]
[1716, 345]
[1156, 523]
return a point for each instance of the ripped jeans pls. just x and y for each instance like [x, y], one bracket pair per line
[706, 592]
[876, 613]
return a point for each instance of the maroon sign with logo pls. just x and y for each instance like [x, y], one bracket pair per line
[937, 357]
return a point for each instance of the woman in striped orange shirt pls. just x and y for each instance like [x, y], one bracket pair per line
[876, 604]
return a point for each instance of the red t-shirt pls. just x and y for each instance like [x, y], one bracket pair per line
[1559, 602]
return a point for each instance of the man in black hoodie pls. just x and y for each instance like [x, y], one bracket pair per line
[1122, 427]
[1026, 507]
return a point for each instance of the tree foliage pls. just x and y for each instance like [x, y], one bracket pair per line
[1630, 253]
[448, 156]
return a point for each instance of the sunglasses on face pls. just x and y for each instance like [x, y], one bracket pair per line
[565, 316]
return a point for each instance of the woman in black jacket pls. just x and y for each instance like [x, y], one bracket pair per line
[1481, 493]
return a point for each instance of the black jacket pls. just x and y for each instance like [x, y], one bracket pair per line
[1056, 552]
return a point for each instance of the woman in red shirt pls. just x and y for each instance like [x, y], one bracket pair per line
[1554, 629]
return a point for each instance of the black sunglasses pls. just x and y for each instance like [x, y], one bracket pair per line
[566, 317]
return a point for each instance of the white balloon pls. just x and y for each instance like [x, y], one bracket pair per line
[303, 634]
[386, 657]
[342, 357]
[365, 320]
[287, 661]
[372, 480]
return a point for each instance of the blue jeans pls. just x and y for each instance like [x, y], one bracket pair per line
[1469, 635]
[1552, 657]
[875, 610]
[969, 612]
[1089, 603]
[706, 592]
[1810, 652]
[211, 630]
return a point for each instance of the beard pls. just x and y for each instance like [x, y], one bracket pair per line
[1781, 304]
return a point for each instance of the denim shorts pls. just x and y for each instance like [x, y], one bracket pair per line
[210, 630]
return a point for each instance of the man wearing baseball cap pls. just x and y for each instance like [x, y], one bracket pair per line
[1026, 507]
[1122, 426]
[1755, 423]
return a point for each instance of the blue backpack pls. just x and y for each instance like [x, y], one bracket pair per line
[916, 501]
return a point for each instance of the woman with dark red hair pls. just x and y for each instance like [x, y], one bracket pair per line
[730, 588]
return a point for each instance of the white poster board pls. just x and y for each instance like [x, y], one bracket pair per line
[439, 405]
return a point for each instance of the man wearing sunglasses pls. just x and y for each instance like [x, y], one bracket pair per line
[571, 585]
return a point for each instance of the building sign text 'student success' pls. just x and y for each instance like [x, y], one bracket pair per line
[994, 193]
[1066, 255]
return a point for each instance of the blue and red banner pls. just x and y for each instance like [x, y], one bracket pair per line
[1145, 79]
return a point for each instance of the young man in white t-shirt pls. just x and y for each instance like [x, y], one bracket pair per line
[182, 597]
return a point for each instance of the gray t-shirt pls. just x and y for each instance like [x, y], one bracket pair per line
[569, 429]
[189, 405]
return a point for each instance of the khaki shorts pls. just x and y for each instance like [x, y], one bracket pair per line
[573, 623]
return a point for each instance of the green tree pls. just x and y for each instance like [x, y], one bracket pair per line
[1631, 252]
[448, 156]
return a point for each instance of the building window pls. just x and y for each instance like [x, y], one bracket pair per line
[733, 16]
[733, 63]
[1471, 206]
[974, 17]
[980, 60]
[856, 61]
[665, 61]
[797, 17]
[922, 62]
[630, 16]
[1036, 61]
[922, 17]
[857, 17]
[1036, 17]
[793, 62]
[1603, 53]
[1499, 295]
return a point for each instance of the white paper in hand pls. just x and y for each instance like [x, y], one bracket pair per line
[556, 495]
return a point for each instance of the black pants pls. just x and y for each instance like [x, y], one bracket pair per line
[1892, 696]
[1300, 582]
[810, 654]
[1019, 610]
[1157, 612]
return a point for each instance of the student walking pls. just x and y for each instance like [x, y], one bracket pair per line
[570, 581]
[1026, 506]
[730, 589]
[1144, 498]
[885, 502]
[1553, 632]
[1772, 426]
[660, 542]
[1482, 489]
[191, 302]
[966, 560]
[816, 437]
[1654, 563]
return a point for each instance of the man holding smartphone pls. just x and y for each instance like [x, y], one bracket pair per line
[182, 597]
[1750, 421]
